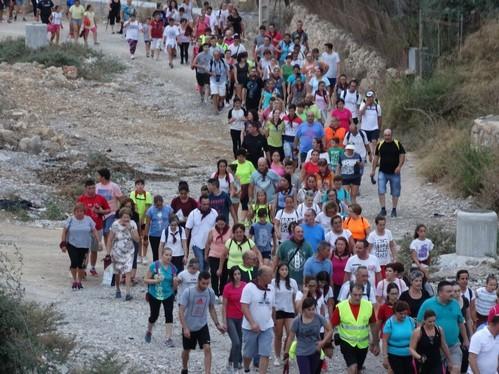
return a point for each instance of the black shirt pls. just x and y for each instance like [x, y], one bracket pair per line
[254, 88]
[236, 23]
[256, 146]
[389, 154]
[414, 304]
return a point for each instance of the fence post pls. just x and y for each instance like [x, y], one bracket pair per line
[420, 47]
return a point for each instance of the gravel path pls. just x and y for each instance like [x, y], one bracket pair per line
[163, 104]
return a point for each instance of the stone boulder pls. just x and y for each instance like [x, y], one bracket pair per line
[31, 145]
[485, 131]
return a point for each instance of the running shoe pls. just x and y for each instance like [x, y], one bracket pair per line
[118, 295]
[128, 297]
[277, 362]
[394, 213]
[169, 343]
[80, 287]
[148, 337]
[382, 212]
[94, 272]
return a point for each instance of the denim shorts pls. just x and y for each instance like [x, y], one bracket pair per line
[257, 343]
[108, 222]
[394, 180]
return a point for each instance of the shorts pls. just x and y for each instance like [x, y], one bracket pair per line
[353, 355]
[53, 28]
[202, 78]
[170, 45]
[147, 42]
[156, 43]
[86, 31]
[75, 21]
[281, 314]
[108, 222]
[456, 355]
[372, 135]
[257, 343]
[95, 246]
[394, 180]
[200, 337]
[267, 255]
[347, 181]
[217, 88]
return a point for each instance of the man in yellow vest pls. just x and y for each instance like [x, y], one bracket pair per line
[354, 317]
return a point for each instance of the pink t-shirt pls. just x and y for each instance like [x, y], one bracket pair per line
[217, 245]
[344, 117]
[279, 169]
[111, 192]
[233, 297]
[338, 269]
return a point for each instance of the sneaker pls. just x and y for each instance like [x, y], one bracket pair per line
[79, 286]
[169, 343]
[128, 297]
[184, 371]
[277, 362]
[382, 212]
[118, 295]
[74, 286]
[132, 57]
[94, 272]
[148, 337]
[393, 213]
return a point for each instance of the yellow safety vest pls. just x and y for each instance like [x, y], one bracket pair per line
[355, 331]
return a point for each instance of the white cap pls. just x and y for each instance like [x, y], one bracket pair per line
[350, 146]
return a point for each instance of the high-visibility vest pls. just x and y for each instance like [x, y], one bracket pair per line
[355, 331]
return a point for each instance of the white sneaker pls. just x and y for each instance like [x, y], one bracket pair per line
[277, 362]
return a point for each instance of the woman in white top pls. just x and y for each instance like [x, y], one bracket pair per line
[225, 178]
[337, 231]
[174, 237]
[308, 203]
[311, 289]
[421, 248]
[381, 244]
[284, 218]
[391, 276]
[285, 290]
[484, 301]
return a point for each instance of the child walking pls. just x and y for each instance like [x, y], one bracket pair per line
[133, 27]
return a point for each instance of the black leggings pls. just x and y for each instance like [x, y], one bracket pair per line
[154, 240]
[236, 141]
[184, 52]
[217, 283]
[155, 306]
[229, 90]
[77, 256]
[35, 7]
[400, 364]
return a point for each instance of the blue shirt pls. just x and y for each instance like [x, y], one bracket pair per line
[262, 235]
[449, 317]
[159, 219]
[266, 183]
[163, 290]
[221, 203]
[313, 235]
[313, 267]
[400, 335]
[306, 133]
[292, 79]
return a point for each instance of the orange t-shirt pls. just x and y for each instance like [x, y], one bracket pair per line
[357, 227]
[331, 133]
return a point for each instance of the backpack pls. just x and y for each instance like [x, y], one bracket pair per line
[362, 219]
[362, 135]
[368, 293]
[221, 61]
[344, 94]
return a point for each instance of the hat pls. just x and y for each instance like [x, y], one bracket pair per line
[350, 146]
[236, 36]
[370, 93]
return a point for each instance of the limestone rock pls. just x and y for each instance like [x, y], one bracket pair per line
[8, 137]
[31, 145]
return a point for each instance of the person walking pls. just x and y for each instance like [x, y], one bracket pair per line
[484, 301]
[427, 344]
[484, 348]
[161, 280]
[174, 237]
[306, 328]
[390, 154]
[214, 251]
[257, 301]
[120, 246]
[450, 319]
[157, 220]
[320, 261]
[416, 295]
[195, 304]
[354, 317]
[76, 239]
[232, 316]
[199, 223]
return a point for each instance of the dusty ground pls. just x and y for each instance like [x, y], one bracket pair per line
[151, 120]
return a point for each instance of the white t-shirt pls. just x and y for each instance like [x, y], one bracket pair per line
[171, 33]
[359, 141]
[324, 221]
[200, 228]
[383, 285]
[331, 237]
[224, 184]
[352, 101]
[176, 247]
[371, 263]
[381, 246]
[323, 155]
[132, 30]
[331, 59]
[238, 115]
[486, 347]
[320, 302]
[484, 301]
[187, 280]
[57, 18]
[260, 306]
[422, 248]
[284, 298]
[285, 219]
[369, 119]
[236, 49]
[345, 293]
[301, 209]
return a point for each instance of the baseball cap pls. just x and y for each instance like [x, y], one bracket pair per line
[370, 93]
[350, 146]
[236, 36]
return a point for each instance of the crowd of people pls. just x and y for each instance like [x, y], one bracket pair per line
[275, 248]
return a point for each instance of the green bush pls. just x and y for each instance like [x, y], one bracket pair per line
[54, 212]
[91, 64]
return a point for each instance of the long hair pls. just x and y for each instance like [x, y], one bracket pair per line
[278, 276]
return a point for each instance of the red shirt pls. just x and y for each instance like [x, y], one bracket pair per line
[186, 207]
[233, 297]
[310, 168]
[90, 203]
[385, 311]
[157, 28]
[344, 117]
[335, 319]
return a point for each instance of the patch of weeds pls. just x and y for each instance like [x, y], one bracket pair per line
[109, 363]
[91, 64]
[53, 212]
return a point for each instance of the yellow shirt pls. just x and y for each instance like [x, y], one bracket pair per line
[77, 11]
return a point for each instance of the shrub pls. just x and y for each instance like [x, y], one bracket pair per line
[53, 212]
[91, 64]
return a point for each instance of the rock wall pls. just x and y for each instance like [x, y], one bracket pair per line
[358, 61]
[485, 131]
